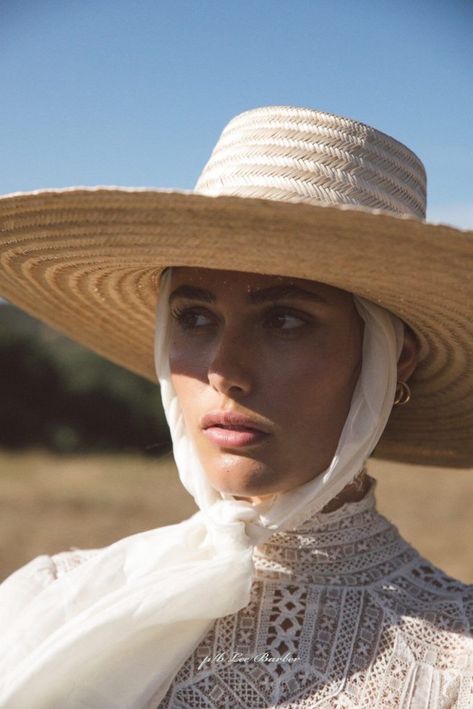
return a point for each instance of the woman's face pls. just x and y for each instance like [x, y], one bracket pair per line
[284, 352]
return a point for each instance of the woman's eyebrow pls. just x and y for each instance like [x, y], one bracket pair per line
[284, 291]
[259, 295]
[193, 293]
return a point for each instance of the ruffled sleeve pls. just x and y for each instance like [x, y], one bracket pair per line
[23, 585]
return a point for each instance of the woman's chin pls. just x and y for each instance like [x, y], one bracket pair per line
[246, 491]
[244, 481]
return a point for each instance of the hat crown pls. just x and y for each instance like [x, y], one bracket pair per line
[301, 155]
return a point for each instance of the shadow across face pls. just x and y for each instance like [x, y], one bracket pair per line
[264, 368]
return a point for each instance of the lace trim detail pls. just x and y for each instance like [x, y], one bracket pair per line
[343, 613]
[351, 546]
[65, 561]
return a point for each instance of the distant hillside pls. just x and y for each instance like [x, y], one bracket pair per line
[60, 396]
[17, 320]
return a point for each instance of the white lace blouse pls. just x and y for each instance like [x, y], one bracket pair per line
[343, 613]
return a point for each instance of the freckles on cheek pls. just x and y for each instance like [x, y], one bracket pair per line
[188, 392]
[181, 361]
[307, 384]
[186, 387]
[297, 372]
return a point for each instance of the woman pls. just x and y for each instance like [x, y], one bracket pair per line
[281, 354]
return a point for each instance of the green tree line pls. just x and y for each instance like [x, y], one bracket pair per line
[58, 395]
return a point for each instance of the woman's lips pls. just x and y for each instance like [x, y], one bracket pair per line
[232, 429]
[234, 436]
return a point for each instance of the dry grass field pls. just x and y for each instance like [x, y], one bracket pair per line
[50, 503]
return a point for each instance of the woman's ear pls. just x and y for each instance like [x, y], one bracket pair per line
[407, 361]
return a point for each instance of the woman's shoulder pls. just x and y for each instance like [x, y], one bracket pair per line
[42, 570]
[19, 589]
[425, 573]
[433, 594]
[65, 561]
[468, 606]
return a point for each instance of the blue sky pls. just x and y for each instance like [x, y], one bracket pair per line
[136, 93]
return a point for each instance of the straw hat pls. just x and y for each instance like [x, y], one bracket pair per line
[286, 191]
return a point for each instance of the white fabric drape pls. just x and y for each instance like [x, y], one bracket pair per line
[115, 630]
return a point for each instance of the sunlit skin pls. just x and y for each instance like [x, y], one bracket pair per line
[290, 358]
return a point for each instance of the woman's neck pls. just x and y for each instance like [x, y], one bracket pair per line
[353, 492]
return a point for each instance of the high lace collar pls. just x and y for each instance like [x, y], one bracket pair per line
[353, 545]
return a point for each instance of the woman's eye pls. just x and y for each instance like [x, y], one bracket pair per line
[190, 318]
[284, 320]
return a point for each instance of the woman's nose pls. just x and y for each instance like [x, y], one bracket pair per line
[231, 368]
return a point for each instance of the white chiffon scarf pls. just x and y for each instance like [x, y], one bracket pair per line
[115, 630]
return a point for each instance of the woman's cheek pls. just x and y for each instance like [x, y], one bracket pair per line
[182, 361]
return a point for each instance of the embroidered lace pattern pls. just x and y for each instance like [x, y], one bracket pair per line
[343, 613]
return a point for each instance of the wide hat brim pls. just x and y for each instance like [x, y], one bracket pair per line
[87, 262]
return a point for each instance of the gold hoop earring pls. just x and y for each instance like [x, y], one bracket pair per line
[403, 394]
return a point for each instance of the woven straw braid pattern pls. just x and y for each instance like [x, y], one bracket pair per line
[299, 155]
[305, 120]
[322, 139]
[333, 162]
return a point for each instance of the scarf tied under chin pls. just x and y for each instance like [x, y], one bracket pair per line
[117, 628]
